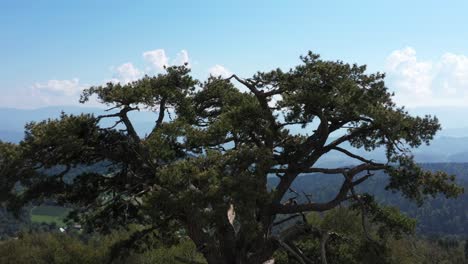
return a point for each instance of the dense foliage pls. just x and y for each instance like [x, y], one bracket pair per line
[57, 248]
[212, 150]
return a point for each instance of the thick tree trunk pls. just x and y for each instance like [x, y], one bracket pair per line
[228, 245]
[216, 258]
[239, 255]
[238, 259]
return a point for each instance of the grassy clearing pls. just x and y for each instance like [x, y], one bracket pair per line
[49, 214]
[47, 219]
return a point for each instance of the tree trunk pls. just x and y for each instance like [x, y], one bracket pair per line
[238, 256]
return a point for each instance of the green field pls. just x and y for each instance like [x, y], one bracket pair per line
[49, 214]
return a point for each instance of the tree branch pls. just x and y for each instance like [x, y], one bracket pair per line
[346, 137]
[262, 99]
[286, 219]
[310, 170]
[162, 109]
[128, 124]
[352, 155]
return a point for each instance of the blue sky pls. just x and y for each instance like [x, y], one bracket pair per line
[52, 49]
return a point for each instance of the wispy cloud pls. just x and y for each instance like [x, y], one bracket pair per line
[219, 70]
[56, 92]
[60, 87]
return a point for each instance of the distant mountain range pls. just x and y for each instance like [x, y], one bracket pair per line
[12, 120]
[451, 145]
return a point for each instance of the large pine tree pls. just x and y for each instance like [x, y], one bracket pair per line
[212, 149]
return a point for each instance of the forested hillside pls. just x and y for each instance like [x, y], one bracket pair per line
[437, 216]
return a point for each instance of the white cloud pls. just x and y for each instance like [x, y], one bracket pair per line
[60, 87]
[182, 58]
[157, 58]
[219, 70]
[56, 92]
[416, 82]
[126, 73]
[455, 67]
[66, 92]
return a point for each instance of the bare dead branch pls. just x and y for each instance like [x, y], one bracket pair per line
[112, 108]
[307, 196]
[352, 155]
[318, 207]
[362, 179]
[323, 244]
[286, 219]
[296, 193]
[311, 170]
